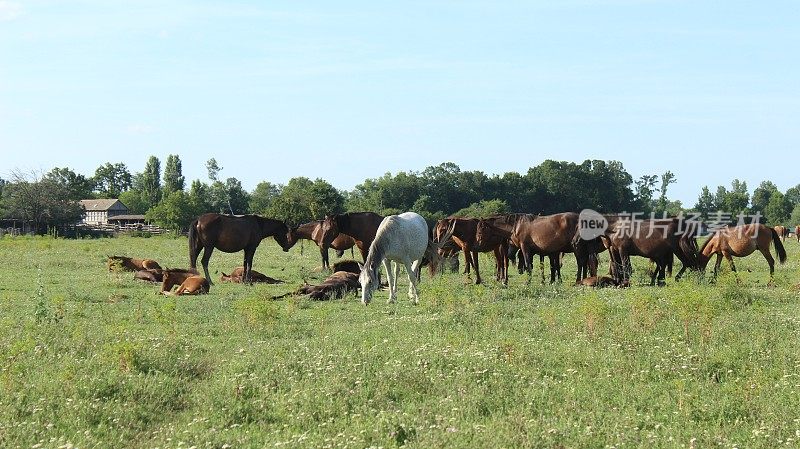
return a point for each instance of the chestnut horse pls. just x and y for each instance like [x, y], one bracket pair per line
[316, 232]
[190, 285]
[782, 231]
[171, 277]
[233, 233]
[132, 264]
[741, 241]
[548, 235]
[361, 226]
[236, 277]
[797, 232]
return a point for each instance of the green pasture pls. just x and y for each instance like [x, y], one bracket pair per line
[90, 358]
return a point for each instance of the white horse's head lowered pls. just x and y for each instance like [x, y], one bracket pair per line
[370, 280]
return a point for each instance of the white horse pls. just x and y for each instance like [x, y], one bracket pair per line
[400, 239]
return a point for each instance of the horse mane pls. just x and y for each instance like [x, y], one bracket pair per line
[708, 240]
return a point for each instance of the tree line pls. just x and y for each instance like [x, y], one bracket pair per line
[51, 199]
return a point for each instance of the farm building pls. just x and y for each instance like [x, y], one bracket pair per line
[101, 210]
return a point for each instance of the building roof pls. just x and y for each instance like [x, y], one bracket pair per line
[101, 204]
[126, 217]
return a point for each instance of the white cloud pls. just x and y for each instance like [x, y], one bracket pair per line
[9, 10]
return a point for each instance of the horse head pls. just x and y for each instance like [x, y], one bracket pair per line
[330, 230]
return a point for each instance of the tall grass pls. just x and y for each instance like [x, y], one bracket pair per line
[92, 358]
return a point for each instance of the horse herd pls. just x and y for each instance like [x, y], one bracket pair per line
[407, 240]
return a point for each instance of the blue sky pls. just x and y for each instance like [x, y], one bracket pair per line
[350, 90]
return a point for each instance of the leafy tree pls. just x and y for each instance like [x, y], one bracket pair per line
[761, 196]
[663, 202]
[324, 199]
[200, 197]
[41, 200]
[706, 203]
[645, 188]
[213, 169]
[238, 198]
[150, 181]
[112, 179]
[262, 197]
[175, 212]
[302, 200]
[793, 195]
[778, 210]
[78, 187]
[794, 219]
[483, 208]
[173, 175]
[135, 202]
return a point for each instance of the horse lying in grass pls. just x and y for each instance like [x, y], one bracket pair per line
[334, 286]
[602, 281]
[131, 264]
[175, 276]
[150, 275]
[237, 277]
[190, 283]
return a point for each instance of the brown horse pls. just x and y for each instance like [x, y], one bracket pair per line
[741, 241]
[237, 275]
[175, 276]
[656, 239]
[797, 232]
[317, 232]
[548, 235]
[233, 233]
[602, 281]
[489, 235]
[150, 275]
[361, 226]
[132, 264]
[334, 286]
[191, 285]
[350, 266]
[782, 231]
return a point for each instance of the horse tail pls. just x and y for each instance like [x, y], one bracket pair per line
[194, 244]
[778, 246]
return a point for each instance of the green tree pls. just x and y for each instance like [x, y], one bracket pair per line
[262, 197]
[175, 212]
[40, 200]
[778, 210]
[200, 197]
[793, 195]
[483, 208]
[150, 181]
[213, 169]
[78, 187]
[761, 196]
[645, 189]
[663, 203]
[794, 218]
[173, 175]
[135, 202]
[112, 179]
[706, 203]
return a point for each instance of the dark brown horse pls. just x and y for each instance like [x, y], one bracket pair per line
[656, 239]
[149, 275]
[797, 232]
[741, 241]
[361, 226]
[317, 232]
[233, 233]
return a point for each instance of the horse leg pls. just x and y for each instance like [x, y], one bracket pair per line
[467, 261]
[411, 269]
[248, 265]
[323, 252]
[477, 270]
[770, 261]
[504, 253]
[387, 265]
[206, 257]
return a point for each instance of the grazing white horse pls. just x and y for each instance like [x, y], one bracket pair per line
[400, 239]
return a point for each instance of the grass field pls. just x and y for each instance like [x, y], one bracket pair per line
[95, 359]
